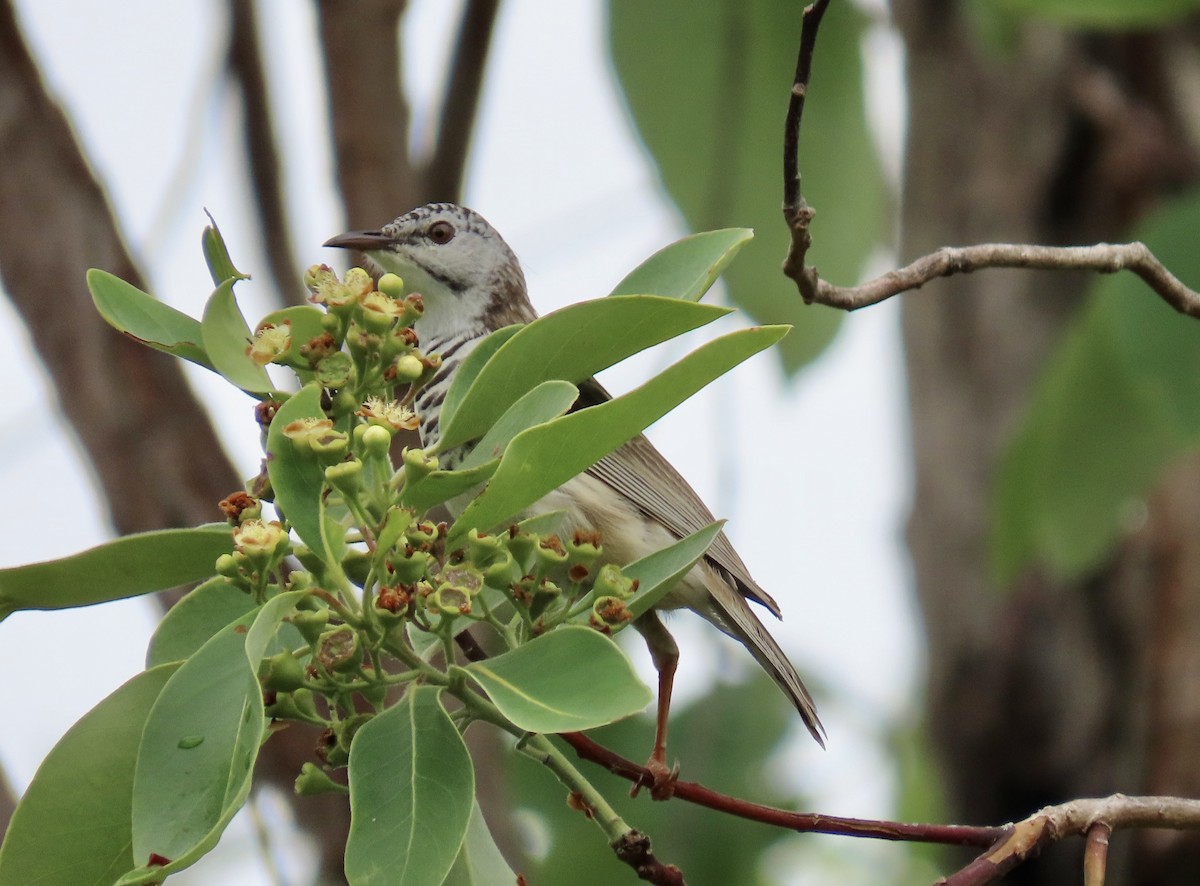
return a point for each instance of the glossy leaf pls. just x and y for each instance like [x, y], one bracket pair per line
[145, 319]
[708, 86]
[1116, 403]
[568, 679]
[547, 401]
[572, 344]
[125, 567]
[686, 268]
[296, 475]
[659, 572]
[200, 743]
[226, 339]
[191, 622]
[479, 862]
[472, 365]
[1114, 14]
[216, 256]
[439, 487]
[72, 826]
[542, 458]
[412, 787]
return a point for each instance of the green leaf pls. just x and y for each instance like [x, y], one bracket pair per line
[471, 366]
[569, 679]
[411, 791]
[145, 319]
[688, 267]
[708, 85]
[542, 458]
[126, 567]
[479, 862]
[216, 256]
[297, 477]
[200, 744]
[191, 622]
[226, 339]
[547, 401]
[657, 573]
[1108, 14]
[72, 826]
[572, 344]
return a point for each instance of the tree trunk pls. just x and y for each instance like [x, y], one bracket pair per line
[1043, 691]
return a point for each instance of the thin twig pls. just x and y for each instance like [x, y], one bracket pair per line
[796, 211]
[1107, 258]
[1095, 854]
[1027, 838]
[803, 822]
[444, 174]
[947, 261]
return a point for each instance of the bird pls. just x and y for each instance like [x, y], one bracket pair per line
[472, 284]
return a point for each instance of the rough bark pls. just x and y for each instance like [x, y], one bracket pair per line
[1047, 690]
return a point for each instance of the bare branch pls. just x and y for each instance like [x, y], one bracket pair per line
[1095, 854]
[802, 822]
[1093, 818]
[1106, 258]
[369, 114]
[246, 65]
[796, 211]
[444, 174]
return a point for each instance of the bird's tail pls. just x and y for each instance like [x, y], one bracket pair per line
[735, 617]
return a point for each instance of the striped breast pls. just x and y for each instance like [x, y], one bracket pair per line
[453, 350]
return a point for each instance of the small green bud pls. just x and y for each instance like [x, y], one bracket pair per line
[343, 403]
[410, 566]
[314, 780]
[346, 477]
[521, 545]
[377, 440]
[281, 673]
[331, 446]
[395, 522]
[227, 566]
[408, 368]
[391, 285]
[610, 581]
[550, 554]
[311, 624]
[418, 465]
[296, 705]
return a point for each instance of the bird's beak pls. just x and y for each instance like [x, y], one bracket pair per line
[363, 241]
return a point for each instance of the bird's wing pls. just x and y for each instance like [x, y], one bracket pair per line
[640, 472]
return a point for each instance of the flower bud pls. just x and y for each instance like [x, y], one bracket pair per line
[391, 285]
[311, 623]
[281, 673]
[314, 780]
[418, 465]
[338, 650]
[377, 441]
[610, 581]
[408, 368]
[410, 566]
[296, 705]
[346, 477]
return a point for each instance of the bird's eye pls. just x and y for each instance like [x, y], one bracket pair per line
[441, 232]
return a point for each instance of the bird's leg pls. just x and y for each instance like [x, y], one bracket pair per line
[665, 655]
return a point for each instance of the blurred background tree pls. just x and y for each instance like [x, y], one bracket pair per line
[1052, 416]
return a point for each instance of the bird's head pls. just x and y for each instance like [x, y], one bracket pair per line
[469, 277]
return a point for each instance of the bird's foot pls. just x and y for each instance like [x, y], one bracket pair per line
[659, 778]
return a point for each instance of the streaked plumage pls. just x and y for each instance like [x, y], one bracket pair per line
[473, 285]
